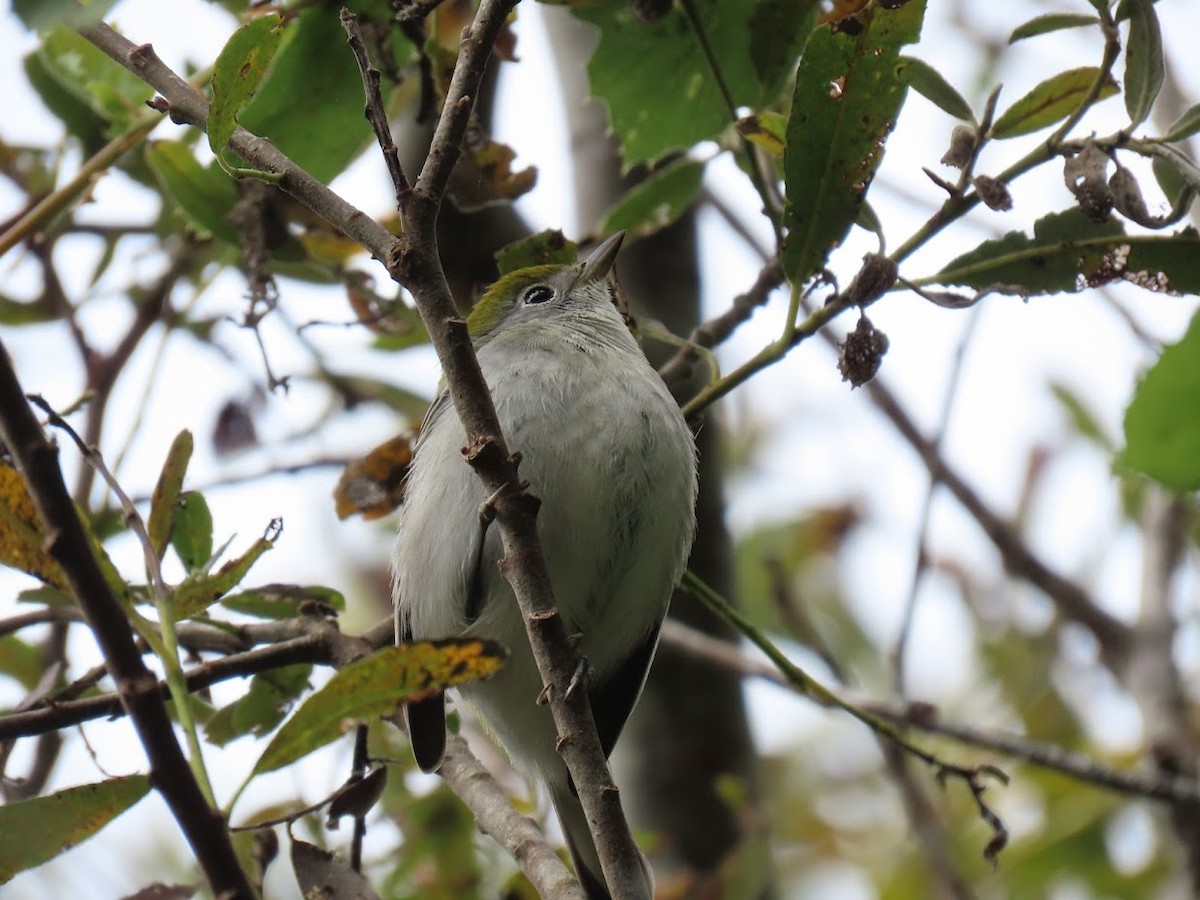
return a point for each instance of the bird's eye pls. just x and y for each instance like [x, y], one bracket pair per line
[539, 293]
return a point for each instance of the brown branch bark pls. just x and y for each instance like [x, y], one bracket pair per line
[317, 641]
[495, 815]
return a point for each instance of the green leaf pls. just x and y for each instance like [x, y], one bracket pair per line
[1187, 169]
[237, 73]
[657, 201]
[1068, 252]
[164, 502]
[200, 591]
[311, 103]
[1185, 126]
[1162, 432]
[374, 686]
[263, 707]
[547, 247]
[282, 601]
[43, 14]
[77, 115]
[1051, 101]
[929, 83]
[191, 531]
[657, 83]
[1143, 60]
[1170, 181]
[849, 90]
[205, 195]
[34, 831]
[21, 661]
[107, 88]
[778, 32]
[1050, 22]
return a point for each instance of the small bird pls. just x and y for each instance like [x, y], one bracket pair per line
[605, 448]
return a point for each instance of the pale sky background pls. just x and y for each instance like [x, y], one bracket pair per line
[826, 443]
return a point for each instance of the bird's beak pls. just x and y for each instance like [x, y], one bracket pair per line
[600, 262]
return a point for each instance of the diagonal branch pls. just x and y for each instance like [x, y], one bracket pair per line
[69, 544]
[1071, 600]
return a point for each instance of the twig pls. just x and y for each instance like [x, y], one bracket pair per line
[805, 684]
[48, 208]
[716, 330]
[921, 563]
[316, 641]
[921, 717]
[415, 10]
[375, 112]
[137, 687]
[758, 175]
[1072, 601]
[494, 814]
[103, 371]
[187, 106]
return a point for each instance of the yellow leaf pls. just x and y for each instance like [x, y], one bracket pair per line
[22, 542]
[373, 485]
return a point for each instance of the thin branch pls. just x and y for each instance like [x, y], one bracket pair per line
[921, 563]
[716, 330]
[494, 814]
[68, 543]
[103, 371]
[972, 776]
[921, 717]
[45, 210]
[315, 641]
[415, 10]
[186, 105]
[375, 112]
[1072, 601]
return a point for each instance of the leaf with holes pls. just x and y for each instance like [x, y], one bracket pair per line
[311, 103]
[199, 590]
[849, 90]
[192, 531]
[1067, 251]
[22, 542]
[686, 104]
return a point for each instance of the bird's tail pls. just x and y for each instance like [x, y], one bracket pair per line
[583, 849]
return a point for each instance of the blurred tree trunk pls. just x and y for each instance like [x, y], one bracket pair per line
[689, 733]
